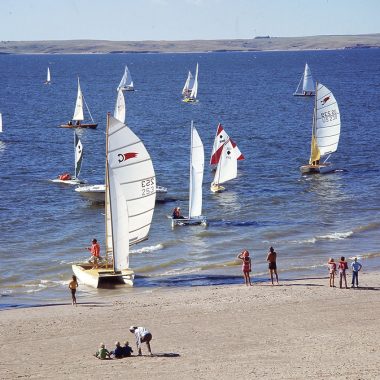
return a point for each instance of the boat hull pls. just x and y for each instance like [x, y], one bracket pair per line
[301, 94]
[317, 169]
[102, 275]
[90, 126]
[217, 188]
[127, 89]
[189, 100]
[200, 220]
[74, 181]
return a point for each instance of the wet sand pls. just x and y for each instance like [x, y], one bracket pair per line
[300, 329]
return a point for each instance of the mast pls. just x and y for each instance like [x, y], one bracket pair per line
[314, 154]
[108, 226]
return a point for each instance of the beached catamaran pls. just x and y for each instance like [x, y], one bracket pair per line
[48, 78]
[190, 90]
[78, 117]
[66, 178]
[325, 132]
[129, 206]
[306, 84]
[126, 83]
[196, 179]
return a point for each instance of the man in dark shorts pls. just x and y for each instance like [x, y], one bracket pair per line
[142, 335]
[271, 258]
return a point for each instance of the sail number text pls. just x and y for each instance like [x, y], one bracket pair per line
[148, 186]
[329, 116]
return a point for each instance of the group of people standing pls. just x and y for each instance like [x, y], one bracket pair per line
[342, 268]
[247, 265]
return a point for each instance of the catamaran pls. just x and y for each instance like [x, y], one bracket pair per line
[190, 89]
[78, 158]
[306, 84]
[126, 83]
[48, 78]
[78, 117]
[130, 197]
[196, 179]
[325, 132]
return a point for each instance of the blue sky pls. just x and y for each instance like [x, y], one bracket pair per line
[183, 19]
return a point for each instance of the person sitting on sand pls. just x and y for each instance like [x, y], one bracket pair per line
[127, 349]
[342, 267]
[142, 335]
[102, 353]
[332, 271]
[73, 288]
[246, 266]
[272, 258]
[118, 352]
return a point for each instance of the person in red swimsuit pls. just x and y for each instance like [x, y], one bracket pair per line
[246, 266]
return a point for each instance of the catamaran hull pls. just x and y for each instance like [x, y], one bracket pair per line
[68, 181]
[201, 220]
[317, 169]
[300, 94]
[96, 277]
[90, 126]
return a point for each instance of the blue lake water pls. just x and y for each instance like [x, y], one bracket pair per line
[45, 227]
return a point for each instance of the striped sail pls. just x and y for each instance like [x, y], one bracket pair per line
[196, 174]
[326, 124]
[119, 112]
[78, 112]
[227, 165]
[78, 155]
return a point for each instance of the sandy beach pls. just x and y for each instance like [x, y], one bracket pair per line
[300, 329]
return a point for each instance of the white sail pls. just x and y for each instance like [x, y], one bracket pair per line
[194, 89]
[327, 121]
[132, 169]
[78, 112]
[308, 83]
[1, 122]
[119, 112]
[126, 81]
[196, 174]
[188, 84]
[227, 165]
[48, 75]
[78, 155]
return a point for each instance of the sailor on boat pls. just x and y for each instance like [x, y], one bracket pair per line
[177, 213]
[95, 253]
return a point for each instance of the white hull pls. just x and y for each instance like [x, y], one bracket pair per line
[128, 88]
[317, 169]
[74, 181]
[304, 94]
[217, 188]
[95, 277]
[95, 193]
[189, 100]
[200, 220]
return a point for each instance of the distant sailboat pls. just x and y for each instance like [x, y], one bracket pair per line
[78, 117]
[129, 206]
[190, 90]
[196, 179]
[119, 112]
[48, 78]
[78, 158]
[306, 84]
[325, 131]
[126, 83]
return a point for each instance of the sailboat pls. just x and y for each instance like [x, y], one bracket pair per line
[129, 206]
[190, 93]
[226, 168]
[126, 83]
[78, 158]
[119, 112]
[306, 84]
[78, 113]
[325, 132]
[48, 78]
[196, 178]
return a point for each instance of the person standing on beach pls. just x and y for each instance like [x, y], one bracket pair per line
[142, 335]
[356, 267]
[272, 264]
[342, 267]
[95, 253]
[332, 270]
[73, 287]
[246, 266]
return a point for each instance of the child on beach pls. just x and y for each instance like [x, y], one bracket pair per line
[342, 266]
[246, 266]
[118, 352]
[332, 270]
[73, 287]
[102, 353]
[127, 349]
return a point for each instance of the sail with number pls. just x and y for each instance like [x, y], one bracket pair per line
[119, 112]
[306, 85]
[326, 124]
[196, 174]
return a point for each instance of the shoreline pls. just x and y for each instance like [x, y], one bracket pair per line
[300, 329]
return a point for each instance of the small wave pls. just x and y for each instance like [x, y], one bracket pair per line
[235, 223]
[148, 249]
[336, 236]
[368, 227]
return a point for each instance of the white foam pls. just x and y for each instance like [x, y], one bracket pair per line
[148, 249]
[336, 236]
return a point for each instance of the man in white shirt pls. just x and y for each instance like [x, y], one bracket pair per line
[356, 267]
[142, 336]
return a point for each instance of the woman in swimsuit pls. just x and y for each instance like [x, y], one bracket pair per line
[246, 266]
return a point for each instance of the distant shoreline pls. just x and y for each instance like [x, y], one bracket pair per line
[266, 43]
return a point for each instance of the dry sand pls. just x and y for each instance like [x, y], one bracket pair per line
[299, 330]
